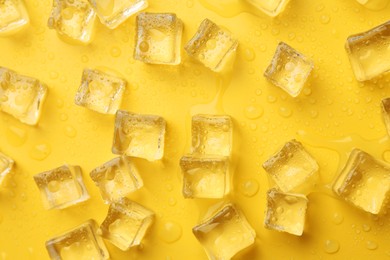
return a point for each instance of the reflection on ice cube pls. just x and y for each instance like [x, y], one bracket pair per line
[73, 20]
[225, 233]
[270, 7]
[126, 223]
[116, 178]
[81, 243]
[158, 38]
[61, 187]
[364, 182]
[21, 96]
[13, 17]
[6, 165]
[112, 13]
[100, 91]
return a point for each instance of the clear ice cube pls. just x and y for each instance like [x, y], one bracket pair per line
[212, 46]
[80, 243]
[386, 113]
[270, 7]
[126, 223]
[139, 135]
[21, 96]
[289, 69]
[61, 187]
[205, 176]
[364, 182]
[225, 233]
[100, 91]
[158, 38]
[286, 212]
[112, 13]
[116, 178]
[212, 135]
[6, 165]
[73, 20]
[369, 52]
[292, 168]
[13, 16]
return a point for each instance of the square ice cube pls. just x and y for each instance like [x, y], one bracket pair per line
[126, 223]
[374, 4]
[270, 7]
[139, 135]
[286, 212]
[292, 168]
[369, 53]
[212, 135]
[213, 46]
[73, 20]
[205, 176]
[6, 165]
[386, 113]
[61, 187]
[289, 69]
[13, 16]
[114, 12]
[158, 38]
[364, 182]
[116, 178]
[225, 233]
[81, 242]
[21, 96]
[100, 91]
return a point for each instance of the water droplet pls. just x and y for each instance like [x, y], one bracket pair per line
[249, 54]
[60, 103]
[190, 3]
[249, 188]
[169, 187]
[170, 232]
[331, 246]
[366, 227]
[172, 202]
[40, 152]
[371, 245]
[115, 52]
[84, 59]
[337, 218]
[70, 131]
[285, 111]
[16, 136]
[53, 74]
[271, 99]
[325, 19]
[253, 112]
[63, 117]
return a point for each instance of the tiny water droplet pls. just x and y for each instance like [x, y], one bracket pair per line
[170, 232]
[40, 151]
[331, 246]
[325, 19]
[249, 54]
[285, 111]
[70, 131]
[249, 188]
[253, 111]
[371, 245]
[337, 218]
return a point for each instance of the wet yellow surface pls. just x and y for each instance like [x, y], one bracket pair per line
[333, 114]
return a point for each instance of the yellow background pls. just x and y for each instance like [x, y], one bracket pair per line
[333, 114]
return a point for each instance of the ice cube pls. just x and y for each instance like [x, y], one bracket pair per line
[205, 176]
[61, 187]
[292, 168]
[73, 20]
[126, 223]
[213, 46]
[225, 233]
[13, 17]
[21, 96]
[286, 212]
[100, 91]
[114, 12]
[80, 243]
[270, 7]
[6, 165]
[386, 113]
[139, 135]
[212, 135]
[364, 182]
[116, 178]
[158, 38]
[289, 69]
[369, 53]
